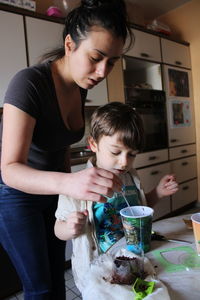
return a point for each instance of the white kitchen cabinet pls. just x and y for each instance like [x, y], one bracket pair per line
[98, 95]
[175, 54]
[180, 134]
[12, 50]
[150, 158]
[180, 105]
[186, 194]
[184, 168]
[150, 177]
[162, 208]
[146, 46]
[42, 36]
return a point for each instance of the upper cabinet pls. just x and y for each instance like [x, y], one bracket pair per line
[175, 54]
[12, 50]
[42, 36]
[146, 46]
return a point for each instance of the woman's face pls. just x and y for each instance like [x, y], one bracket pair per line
[95, 57]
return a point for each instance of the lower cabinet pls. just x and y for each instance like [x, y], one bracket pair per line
[186, 194]
[184, 168]
[150, 177]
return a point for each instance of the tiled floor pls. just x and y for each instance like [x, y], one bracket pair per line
[72, 292]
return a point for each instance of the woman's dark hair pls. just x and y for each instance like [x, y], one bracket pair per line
[117, 117]
[109, 14]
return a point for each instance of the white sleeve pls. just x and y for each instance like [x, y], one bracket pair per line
[66, 205]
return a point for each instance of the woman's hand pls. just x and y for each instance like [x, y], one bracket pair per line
[167, 186]
[92, 184]
[72, 227]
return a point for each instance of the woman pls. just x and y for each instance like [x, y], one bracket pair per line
[43, 115]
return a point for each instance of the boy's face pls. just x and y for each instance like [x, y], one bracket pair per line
[112, 154]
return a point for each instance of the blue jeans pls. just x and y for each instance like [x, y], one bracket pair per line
[27, 234]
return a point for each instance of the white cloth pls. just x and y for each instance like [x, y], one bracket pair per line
[96, 288]
[85, 247]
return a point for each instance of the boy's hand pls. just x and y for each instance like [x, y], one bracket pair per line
[75, 223]
[167, 186]
[72, 227]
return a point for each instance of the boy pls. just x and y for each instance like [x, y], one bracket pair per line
[116, 137]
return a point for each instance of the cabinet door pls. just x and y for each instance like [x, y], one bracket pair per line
[146, 46]
[175, 54]
[186, 194]
[98, 95]
[162, 208]
[12, 50]
[184, 168]
[180, 106]
[42, 36]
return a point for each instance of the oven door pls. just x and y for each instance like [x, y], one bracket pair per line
[153, 115]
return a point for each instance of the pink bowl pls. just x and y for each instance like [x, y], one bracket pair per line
[54, 11]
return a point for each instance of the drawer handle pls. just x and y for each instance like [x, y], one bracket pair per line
[184, 151]
[173, 140]
[184, 163]
[154, 172]
[144, 54]
[152, 157]
[185, 187]
[177, 62]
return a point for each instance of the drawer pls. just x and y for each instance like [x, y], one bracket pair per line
[146, 46]
[150, 158]
[175, 54]
[182, 151]
[150, 176]
[186, 194]
[185, 168]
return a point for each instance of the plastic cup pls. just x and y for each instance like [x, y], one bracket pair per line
[196, 229]
[137, 225]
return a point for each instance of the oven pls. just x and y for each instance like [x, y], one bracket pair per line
[151, 106]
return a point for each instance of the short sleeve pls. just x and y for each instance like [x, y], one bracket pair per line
[63, 209]
[23, 93]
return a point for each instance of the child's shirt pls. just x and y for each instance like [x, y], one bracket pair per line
[107, 217]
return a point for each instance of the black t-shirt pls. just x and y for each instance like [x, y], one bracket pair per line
[32, 90]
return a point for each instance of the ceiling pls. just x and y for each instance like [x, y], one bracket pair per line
[152, 9]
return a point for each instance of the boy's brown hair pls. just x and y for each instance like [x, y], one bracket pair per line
[117, 117]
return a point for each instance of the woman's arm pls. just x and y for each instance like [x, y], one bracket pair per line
[18, 128]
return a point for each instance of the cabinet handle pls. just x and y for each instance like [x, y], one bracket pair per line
[152, 157]
[184, 163]
[144, 54]
[184, 151]
[154, 172]
[177, 62]
[185, 187]
[173, 140]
